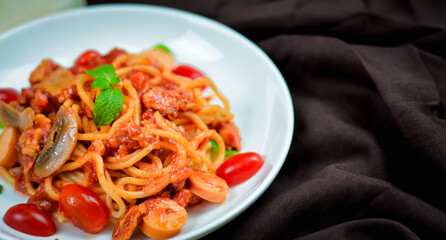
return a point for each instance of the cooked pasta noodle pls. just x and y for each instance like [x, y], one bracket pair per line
[161, 136]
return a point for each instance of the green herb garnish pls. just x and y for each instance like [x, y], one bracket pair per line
[110, 102]
[228, 153]
[231, 153]
[1, 125]
[163, 47]
[105, 77]
[1, 188]
[214, 145]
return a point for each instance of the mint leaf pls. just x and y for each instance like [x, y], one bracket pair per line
[1, 125]
[164, 48]
[105, 76]
[107, 106]
[100, 83]
[110, 102]
[1, 188]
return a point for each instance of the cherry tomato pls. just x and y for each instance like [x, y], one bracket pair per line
[240, 167]
[164, 219]
[190, 72]
[208, 186]
[83, 208]
[89, 59]
[8, 95]
[29, 219]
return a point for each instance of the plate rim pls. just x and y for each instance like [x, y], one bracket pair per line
[278, 78]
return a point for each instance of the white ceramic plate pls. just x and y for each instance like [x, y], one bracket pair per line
[255, 88]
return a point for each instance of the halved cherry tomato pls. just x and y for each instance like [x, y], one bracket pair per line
[190, 72]
[29, 219]
[164, 219]
[83, 208]
[8, 95]
[89, 59]
[240, 167]
[208, 186]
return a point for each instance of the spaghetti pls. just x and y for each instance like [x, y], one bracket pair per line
[151, 152]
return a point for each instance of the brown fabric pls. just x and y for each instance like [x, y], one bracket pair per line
[368, 81]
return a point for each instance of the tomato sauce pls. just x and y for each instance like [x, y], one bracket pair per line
[184, 185]
[170, 102]
[130, 137]
[42, 201]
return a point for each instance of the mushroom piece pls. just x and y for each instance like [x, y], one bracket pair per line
[13, 118]
[61, 143]
[8, 153]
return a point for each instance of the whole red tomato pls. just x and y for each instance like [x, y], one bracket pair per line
[28, 219]
[240, 167]
[83, 208]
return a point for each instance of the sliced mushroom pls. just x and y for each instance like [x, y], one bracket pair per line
[61, 143]
[8, 153]
[13, 118]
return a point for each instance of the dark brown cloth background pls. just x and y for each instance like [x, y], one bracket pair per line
[368, 82]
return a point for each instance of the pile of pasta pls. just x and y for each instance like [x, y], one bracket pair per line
[158, 147]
